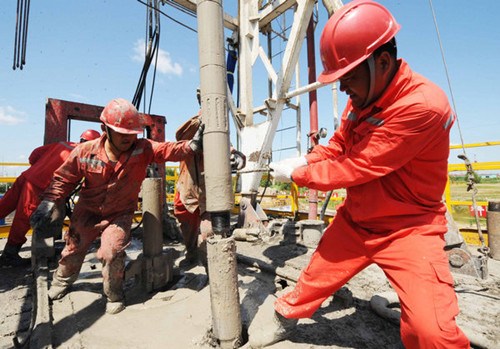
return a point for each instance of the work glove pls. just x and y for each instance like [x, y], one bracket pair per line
[282, 170]
[41, 218]
[238, 160]
[196, 143]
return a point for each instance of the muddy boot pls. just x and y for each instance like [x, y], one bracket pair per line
[60, 285]
[10, 257]
[190, 259]
[112, 284]
[271, 331]
[114, 307]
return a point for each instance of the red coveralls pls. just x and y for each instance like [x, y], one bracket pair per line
[392, 159]
[106, 204]
[24, 195]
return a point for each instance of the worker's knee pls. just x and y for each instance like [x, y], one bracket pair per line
[110, 255]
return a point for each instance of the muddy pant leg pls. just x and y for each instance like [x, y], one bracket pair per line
[190, 225]
[417, 267]
[70, 263]
[73, 254]
[10, 199]
[114, 240]
[339, 256]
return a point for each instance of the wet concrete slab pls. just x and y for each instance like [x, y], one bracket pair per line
[179, 315]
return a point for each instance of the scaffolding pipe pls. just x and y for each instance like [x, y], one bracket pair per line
[224, 297]
[313, 111]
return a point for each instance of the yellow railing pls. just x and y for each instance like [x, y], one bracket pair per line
[476, 166]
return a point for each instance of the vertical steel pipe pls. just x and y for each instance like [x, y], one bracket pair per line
[313, 111]
[221, 250]
[213, 84]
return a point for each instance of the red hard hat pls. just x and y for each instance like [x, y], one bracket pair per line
[121, 116]
[352, 34]
[89, 135]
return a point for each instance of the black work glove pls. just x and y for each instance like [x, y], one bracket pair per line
[41, 218]
[196, 143]
[238, 160]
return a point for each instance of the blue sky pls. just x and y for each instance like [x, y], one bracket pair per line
[90, 51]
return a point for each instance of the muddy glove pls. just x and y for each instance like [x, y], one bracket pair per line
[282, 170]
[41, 218]
[238, 160]
[196, 143]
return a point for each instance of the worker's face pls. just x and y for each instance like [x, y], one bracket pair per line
[122, 141]
[356, 84]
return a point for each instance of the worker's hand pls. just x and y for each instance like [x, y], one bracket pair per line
[41, 218]
[282, 170]
[196, 143]
[238, 160]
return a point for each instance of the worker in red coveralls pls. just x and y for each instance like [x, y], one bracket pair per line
[391, 155]
[190, 198]
[112, 168]
[24, 195]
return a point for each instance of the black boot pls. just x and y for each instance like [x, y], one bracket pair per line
[10, 257]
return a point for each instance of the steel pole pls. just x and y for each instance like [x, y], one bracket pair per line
[313, 111]
[224, 296]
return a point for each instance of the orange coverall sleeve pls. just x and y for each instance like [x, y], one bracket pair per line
[381, 150]
[37, 153]
[334, 148]
[65, 179]
[171, 151]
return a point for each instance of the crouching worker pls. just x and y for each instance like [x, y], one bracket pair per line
[112, 168]
[24, 195]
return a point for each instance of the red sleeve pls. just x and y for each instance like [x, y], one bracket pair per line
[334, 148]
[65, 179]
[38, 153]
[383, 149]
[171, 151]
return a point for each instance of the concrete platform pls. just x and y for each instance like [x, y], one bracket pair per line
[179, 316]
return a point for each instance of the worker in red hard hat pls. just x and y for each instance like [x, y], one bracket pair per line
[391, 154]
[112, 169]
[89, 135]
[24, 195]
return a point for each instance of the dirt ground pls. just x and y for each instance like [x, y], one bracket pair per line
[179, 315]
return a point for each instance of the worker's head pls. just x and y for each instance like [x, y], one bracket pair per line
[89, 135]
[358, 47]
[122, 123]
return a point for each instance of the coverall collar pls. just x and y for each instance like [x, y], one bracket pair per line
[399, 80]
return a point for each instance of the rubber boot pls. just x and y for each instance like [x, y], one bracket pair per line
[114, 307]
[10, 257]
[190, 259]
[271, 331]
[60, 285]
[113, 285]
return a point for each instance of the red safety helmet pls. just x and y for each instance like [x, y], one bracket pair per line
[89, 135]
[121, 116]
[352, 34]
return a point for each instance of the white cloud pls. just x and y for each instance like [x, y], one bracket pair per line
[10, 116]
[165, 64]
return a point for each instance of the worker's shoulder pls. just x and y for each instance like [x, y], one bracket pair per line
[427, 94]
[188, 128]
